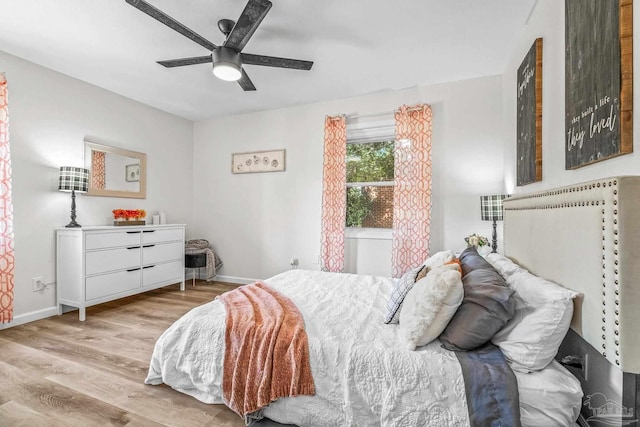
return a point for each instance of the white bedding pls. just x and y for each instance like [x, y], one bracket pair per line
[363, 374]
[551, 397]
[362, 371]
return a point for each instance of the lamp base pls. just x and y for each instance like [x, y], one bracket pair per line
[494, 239]
[73, 223]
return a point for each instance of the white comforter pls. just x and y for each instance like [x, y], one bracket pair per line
[362, 372]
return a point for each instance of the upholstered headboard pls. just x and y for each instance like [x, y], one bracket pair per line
[586, 237]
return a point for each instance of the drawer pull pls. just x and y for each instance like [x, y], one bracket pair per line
[148, 246]
[134, 269]
[133, 247]
[148, 231]
[149, 266]
[132, 232]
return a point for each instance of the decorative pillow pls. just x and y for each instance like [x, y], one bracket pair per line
[422, 273]
[487, 306]
[429, 306]
[399, 292]
[504, 265]
[544, 309]
[470, 259]
[439, 258]
[406, 282]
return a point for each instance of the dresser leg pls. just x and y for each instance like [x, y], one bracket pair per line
[182, 285]
[82, 314]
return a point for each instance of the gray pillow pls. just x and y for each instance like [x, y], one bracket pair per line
[471, 260]
[487, 306]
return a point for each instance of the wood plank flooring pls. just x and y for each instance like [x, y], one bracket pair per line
[63, 372]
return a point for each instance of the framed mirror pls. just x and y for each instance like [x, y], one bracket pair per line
[115, 172]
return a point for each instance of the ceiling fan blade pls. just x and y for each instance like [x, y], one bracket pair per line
[252, 15]
[160, 16]
[245, 82]
[274, 61]
[170, 63]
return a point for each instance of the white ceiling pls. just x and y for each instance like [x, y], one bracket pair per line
[359, 47]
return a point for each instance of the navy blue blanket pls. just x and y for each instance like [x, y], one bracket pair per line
[491, 388]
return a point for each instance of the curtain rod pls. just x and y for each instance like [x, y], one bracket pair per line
[386, 113]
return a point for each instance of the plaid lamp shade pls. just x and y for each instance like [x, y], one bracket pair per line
[491, 207]
[73, 179]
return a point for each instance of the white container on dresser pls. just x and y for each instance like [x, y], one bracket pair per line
[104, 263]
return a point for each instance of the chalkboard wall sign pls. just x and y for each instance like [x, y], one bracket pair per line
[529, 123]
[598, 80]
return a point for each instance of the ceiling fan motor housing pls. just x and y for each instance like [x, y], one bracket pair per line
[227, 63]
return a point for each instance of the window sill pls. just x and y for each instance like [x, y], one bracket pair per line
[368, 233]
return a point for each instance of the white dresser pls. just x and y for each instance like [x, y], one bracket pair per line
[103, 263]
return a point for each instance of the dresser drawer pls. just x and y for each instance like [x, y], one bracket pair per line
[111, 240]
[104, 285]
[168, 272]
[112, 259]
[162, 252]
[161, 235]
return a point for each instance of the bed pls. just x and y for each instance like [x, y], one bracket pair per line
[363, 371]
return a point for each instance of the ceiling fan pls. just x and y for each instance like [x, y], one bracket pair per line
[227, 59]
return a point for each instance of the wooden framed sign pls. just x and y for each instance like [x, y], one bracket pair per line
[529, 122]
[598, 80]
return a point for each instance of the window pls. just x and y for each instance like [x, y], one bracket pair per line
[370, 176]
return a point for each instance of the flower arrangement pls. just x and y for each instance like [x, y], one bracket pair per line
[476, 240]
[129, 214]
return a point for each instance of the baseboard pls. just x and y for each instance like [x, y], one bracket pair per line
[53, 311]
[234, 279]
[30, 317]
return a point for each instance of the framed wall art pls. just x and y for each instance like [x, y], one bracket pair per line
[598, 80]
[258, 161]
[529, 121]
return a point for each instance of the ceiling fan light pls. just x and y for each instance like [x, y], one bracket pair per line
[227, 72]
[227, 64]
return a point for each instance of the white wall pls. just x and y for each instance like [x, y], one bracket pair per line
[547, 21]
[257, 222]
[50, 115]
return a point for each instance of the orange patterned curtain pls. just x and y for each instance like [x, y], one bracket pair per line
[97, 169]
[334, 193]
[412, 193]
[6, 211]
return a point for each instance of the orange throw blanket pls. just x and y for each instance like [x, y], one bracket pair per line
[267, 352]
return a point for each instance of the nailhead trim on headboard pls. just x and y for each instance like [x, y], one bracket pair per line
[605, 193]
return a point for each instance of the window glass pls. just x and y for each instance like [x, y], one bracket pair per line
[370, 184]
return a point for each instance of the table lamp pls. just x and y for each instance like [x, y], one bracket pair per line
[73, 179]
[491, 210]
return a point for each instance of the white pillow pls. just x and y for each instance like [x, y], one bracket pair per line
[430, 305]
[550, 397]
[439, 258]
[530, 340]
[504, 265]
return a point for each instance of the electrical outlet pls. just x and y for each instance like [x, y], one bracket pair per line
[37, 284]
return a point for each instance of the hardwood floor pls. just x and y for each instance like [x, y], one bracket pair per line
[63, 372]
